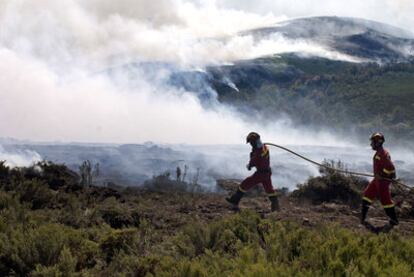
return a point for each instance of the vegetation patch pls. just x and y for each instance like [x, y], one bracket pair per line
[332, 186]
[145, 233]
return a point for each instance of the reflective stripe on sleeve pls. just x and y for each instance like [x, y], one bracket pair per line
[388, 171]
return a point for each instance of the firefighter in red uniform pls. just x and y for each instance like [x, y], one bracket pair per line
[259, 158]
[379, 187]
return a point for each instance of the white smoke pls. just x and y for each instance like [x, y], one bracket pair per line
[95, 33]
[49, 50]
[52, 53]
[19, 158]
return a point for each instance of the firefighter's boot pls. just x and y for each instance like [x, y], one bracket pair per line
[235, 199]
[392, 215]
[364, 210]
[274, 203]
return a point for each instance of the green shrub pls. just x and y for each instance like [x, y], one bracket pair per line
[36, 192]
[65, 267]
[128, 241]
[4, 170]
[223, 236]
[131, 265]
[118, 215]
[269, 248]
[34, 242]
[164, 183]
[6, 200]
[22, 249]
[57, 175]
[332, 186]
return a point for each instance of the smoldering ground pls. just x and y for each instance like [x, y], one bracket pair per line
[134, 164]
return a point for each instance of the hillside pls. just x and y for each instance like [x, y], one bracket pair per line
[359, 81]
[323, 94]
[51, 226]
[359, 39]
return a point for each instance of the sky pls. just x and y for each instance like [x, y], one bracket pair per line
[52, 53]
[394, 12]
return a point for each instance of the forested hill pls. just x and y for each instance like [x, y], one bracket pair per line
[358, 80]
[323, 93]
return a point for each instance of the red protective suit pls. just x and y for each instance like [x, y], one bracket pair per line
[260, 159]
[379, 188]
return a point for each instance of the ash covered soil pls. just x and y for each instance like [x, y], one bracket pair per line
[170, 211]
[56, 192]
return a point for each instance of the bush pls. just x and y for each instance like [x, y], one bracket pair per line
[163, 182]
[271, 248]
[223, 236]
[6, 200]
[4, 170]
[65, 267]
[57, 175]
[332, 187]
[36, 192]
[118, 216]
[242, 244]
[22, 249]
[130, 241]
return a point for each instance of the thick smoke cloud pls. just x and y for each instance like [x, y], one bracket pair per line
[96, 33]
[52, 53]
[55, 57]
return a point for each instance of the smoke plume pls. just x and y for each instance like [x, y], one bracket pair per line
[19, 158]
[52, 53]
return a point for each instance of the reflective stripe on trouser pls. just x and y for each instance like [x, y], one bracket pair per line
[257, 178]
[368, 199]
[379, 190]
[241, 189]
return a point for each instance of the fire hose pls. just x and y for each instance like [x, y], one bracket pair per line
[337, 169]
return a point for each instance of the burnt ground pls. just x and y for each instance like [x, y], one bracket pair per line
[169, 211]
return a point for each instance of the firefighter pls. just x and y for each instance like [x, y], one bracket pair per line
[379, 187]
[260, 159]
